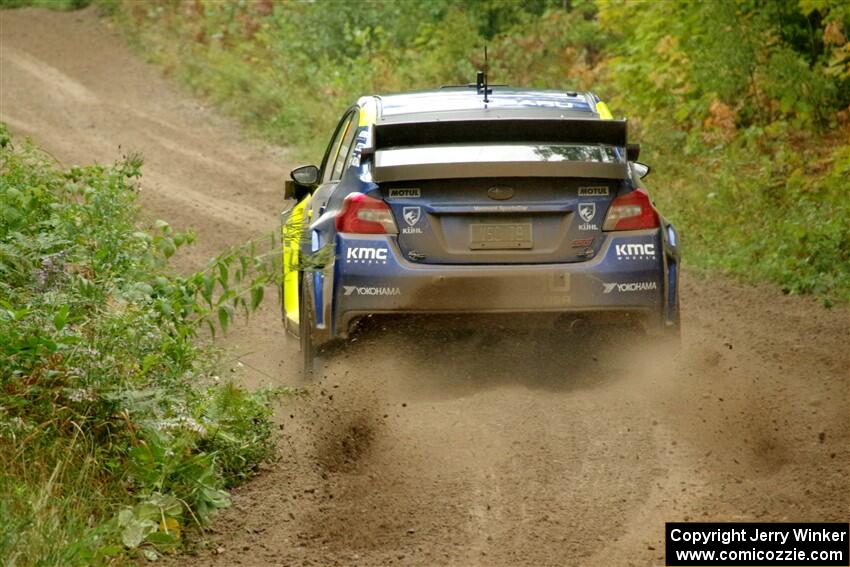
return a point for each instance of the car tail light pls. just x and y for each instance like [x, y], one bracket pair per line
[362, 214]
[632, 211]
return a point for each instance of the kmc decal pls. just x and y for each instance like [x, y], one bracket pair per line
[366, 255]
[635, 251]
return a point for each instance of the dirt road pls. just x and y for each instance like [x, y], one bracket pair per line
[491, 448]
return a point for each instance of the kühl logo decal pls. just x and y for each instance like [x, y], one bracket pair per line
[411, 216]
[587, 211]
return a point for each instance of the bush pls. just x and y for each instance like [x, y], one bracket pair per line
[115, 433]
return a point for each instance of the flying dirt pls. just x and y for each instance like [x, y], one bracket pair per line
[421, 444]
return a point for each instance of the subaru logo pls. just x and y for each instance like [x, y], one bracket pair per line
[500, 193]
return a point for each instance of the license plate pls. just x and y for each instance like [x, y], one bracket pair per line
[500, 236]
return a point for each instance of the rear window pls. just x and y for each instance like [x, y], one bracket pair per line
[500, 153]
[499, 160]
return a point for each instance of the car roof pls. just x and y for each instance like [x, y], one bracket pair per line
[464, 102]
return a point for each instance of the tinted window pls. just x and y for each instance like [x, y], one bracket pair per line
[461, 153]
[329, 168]
[498, 160]
[333, 149]
[345, 148]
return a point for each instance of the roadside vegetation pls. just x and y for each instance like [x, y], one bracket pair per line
[49, 4]
[742, 107]
[116, 434]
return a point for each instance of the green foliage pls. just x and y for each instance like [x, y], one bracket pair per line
[682, 56]
[241, 433]
[115, 432]
[716, 92]
[778, 214]
[750, 134]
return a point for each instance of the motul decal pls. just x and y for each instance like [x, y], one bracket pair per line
[405, 193]
[593, 192]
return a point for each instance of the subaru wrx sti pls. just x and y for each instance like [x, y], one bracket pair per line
[510, 201]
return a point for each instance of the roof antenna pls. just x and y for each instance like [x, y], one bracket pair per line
[486, 70]
[481, 79]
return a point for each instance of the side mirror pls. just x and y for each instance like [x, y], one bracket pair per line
[641, 169]
[632, 152]
[307, 175]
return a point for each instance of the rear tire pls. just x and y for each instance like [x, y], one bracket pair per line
[664, 333]
[305, 329]
[675, 330]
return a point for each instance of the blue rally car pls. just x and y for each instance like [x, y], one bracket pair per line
[469, 200]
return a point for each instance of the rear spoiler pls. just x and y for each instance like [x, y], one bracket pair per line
[471, 131]
[454, 149]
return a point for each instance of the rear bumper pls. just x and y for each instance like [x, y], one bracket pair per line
[631, 273]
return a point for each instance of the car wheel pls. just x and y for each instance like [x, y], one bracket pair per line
[305, 329]
[670, 335]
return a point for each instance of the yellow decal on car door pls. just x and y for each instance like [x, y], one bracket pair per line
[291, 233]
